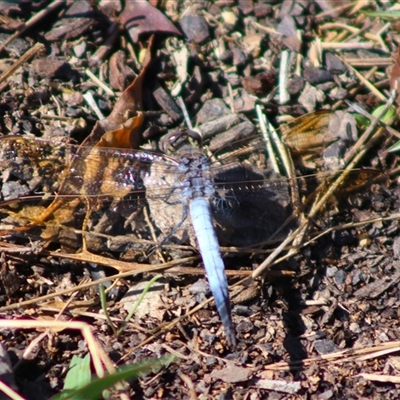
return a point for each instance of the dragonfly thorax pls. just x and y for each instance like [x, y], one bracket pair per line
[195, 177]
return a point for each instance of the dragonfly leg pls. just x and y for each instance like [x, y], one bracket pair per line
[85, 224]
[169, 195]
[185, 214]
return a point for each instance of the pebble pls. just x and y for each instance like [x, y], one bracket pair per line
[194, 27]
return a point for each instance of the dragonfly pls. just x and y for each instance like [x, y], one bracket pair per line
[230, 200]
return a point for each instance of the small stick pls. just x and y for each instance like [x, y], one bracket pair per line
[284, 66]
[144, 268]
[266, 138]
[333, 12]
[99, 82]
[91, 102]
[182, 106]
[153, 234]
[50, 8]
[347, 46]
[366, 82]
[24, 58]
[369, 62]
[355, 89]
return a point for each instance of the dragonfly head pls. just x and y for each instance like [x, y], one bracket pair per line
[177, 140]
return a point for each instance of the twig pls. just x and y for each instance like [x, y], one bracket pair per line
[284, 66]
[92, 103]
[99, 82]
[333, 12]
[347, 46]
[366, 82]
[50, 8]
[9, 392]
[353, 91]
[185, 113]
[369, 62]
[263, 127]
[365, 136]
[340, 357]
[23, 59]
[93, 346]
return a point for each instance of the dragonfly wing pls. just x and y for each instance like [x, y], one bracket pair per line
[248, 207]
[107, 182]
[200, 213]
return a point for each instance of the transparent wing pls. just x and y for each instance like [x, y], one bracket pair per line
[47, 183]
[249, 204]
[69, 170]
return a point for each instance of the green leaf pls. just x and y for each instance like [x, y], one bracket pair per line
[395, 147]
[389, 117]
[94, 389]
[79, 373]
[361, 119]
[387, 15]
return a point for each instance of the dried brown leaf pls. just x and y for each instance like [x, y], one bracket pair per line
[124, 137]
[141, 17]
[129, 103]
[120, 74]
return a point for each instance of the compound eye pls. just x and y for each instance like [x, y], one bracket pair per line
[178, 139]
